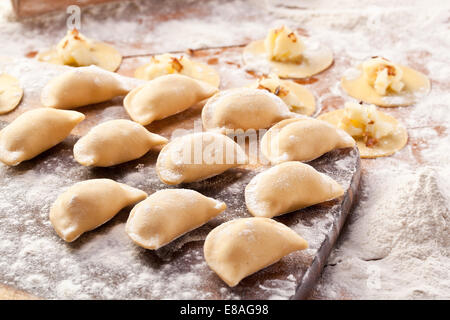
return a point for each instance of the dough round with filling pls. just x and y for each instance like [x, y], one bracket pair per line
[89, 204]
[302, 140]
[198, 156]
[289, 187]
[168, 214]
[10, 93]
[81, 87]
[165, 96]
[386, 146]
[243, 108]
[35, 131]
[297, 97]
[114, 142]
[416, 85]
[77, 50]
[163, 64]
[241, 247]
[316, 58]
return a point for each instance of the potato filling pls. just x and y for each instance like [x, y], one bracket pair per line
[76, 50]
[167, 64]
[274, 85]
[383, 75]
[284, 45]
[364, 121]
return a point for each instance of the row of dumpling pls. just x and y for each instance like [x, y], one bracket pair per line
[283, 53]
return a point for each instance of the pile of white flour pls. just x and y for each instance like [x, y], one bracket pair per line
[396, 244]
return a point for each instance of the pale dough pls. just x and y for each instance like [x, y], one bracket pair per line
[315, 59]
[198, 156]
[386, 146]
[74, 48]
[289, 187]
[35, 131]
[243, 108]
[165, 96]
[81, 87]
[10, 93]
[168, 214]
[416, 85]
[241, 247]
[302, 140]
[114, 142]
[88, 204]
[168, 64]
[304, 100]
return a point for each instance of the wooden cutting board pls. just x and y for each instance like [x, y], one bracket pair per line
[293, 277]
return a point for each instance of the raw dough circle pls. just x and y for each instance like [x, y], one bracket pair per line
[107, 56]
[315, 59]
[200, 71]
[386, 146]
[416, 86]
[303, 94]
[10, 93]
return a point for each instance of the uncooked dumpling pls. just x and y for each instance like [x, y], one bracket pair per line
[168, 214]
[243, 108]
[376, 133]
[35, 131]
[302, 140]
[81, 87]
[241, 247]
[286, 54]
[114, 142]
[297, 97]
[381, 82]
[10, 93]
[76, 50]
[163, 64]
[165, 96]
[288, 187]
[198, 156]
[89, 204]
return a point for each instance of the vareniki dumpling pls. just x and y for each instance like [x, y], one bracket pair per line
[10, 93]
[89, 204]
[81, 87]
[288, 187]
[114, 142]
[198, 156]
[35, 131]
[243, 108]
[165, 96]
[168, 214]
[302, 140]
[241, 247]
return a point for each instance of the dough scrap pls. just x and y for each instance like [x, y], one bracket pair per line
[359, 85]
[165, 96]
[243, 108]
[297, 97]
[302, 140]
[288, 187]
[168, 214]
[241, 247]
[114, 142]
[81, 87]
[198, 156]
[386, 146]
[79, 51]
[312, 59]
[163, 64]
[88, 204]
[10, 93]
[35, 131]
